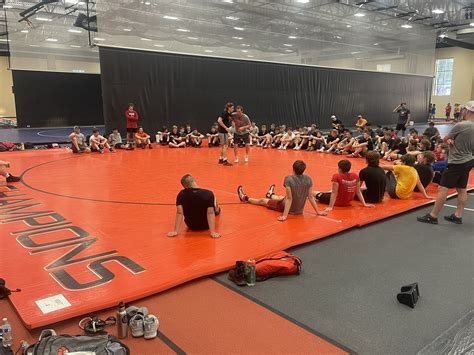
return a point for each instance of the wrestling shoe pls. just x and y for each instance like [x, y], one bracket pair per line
[137, 326]
[236, 160]
[12, 178]
[150, 325]
[150, 146]
[221, 161]
[270, 191]
[428, 218]
[246, 158]
[226, 163]
[242, 195]
[453, 218]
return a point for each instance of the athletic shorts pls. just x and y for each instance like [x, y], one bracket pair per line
[242, 138]
[323, 197]
[223, 139]
[81, 149]
[456, 175]
[132, 130]
[400, 127]
[118, 145]
[276, 205]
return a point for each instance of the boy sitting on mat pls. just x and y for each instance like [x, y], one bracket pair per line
[298, 190]
[402, 179]
[142, 139]
[345, 185]
[198, 207]
[78, 141]
[98, 142]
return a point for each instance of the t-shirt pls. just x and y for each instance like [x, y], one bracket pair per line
[300, 186]
[226, 116]
[331, 138]
[81, 140]
[462, 150]
[425, 173]
[347, 188]
[288, 136]
[195, 202]
[132, 118]
[440, 165]
[402, 148]
[98, 138]
[174, 137]
[370, 144]
[141, 135]
[431, 131]
[375, 181]
[240, 120]
[115, 138]
[402, 115]
[407, 177]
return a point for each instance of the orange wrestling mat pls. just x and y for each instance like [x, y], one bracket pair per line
[83, 232]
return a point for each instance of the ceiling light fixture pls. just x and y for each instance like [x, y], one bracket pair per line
[438, 11]
[208, 51]
[72, 30]
[245, 51]
[287, 45]
[99, 39]
[239, 38]
[233, 18]
[127, 29]
[471, 24]
[359, 14]
[250, 56]
[7, 6]
[376, 44]
[4, 40]
[34, 45]
[348, 26]
[239, 28]
[43, 19]
[74, 46]
[443, 35]
[170, 17]
[183, 30]
[303, 1]
[292, 37]
[145, 39]
[288, 50]
[193, 38]
[406, 25]
[158, 45]
[24, 31]
[51, 40]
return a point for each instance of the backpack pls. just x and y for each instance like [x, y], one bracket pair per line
[52, 344]
[277, 264]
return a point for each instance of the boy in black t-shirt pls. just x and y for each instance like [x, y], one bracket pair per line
[362, 144]
[198, 207]
[224, 122]
[424, 169]
[175, 139]
[213, 137]
[374, 178]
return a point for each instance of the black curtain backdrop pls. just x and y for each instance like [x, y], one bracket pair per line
[177, 89]
[52, 99]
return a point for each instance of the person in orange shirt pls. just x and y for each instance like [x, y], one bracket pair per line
[142, 139]
[361, 123]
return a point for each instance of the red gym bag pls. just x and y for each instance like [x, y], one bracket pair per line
[277, 264]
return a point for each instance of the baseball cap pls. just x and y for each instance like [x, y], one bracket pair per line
[333, 117]
[470, 106]
[76, 127]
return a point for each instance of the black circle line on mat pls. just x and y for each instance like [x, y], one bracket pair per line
[22, 176]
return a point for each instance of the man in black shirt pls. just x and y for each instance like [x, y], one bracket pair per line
[362, 144]
[374, 177]
[198, 206]
[224, 122]
[424, 169]
[403, 118]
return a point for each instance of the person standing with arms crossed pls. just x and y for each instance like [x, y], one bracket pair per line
[403, 118]
[132, 123]
[460, 162]
[224, 125]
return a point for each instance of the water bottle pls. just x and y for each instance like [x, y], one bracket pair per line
[7, 340]
[250, 275]
[122, 322]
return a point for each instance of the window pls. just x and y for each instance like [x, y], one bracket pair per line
[444, 77]
[384, 67]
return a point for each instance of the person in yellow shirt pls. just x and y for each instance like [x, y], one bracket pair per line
[361, 123]
[402, 179]
[457, 111]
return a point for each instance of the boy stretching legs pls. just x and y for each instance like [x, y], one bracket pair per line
[298, 190]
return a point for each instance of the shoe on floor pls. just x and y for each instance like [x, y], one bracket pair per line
[242, 195]
[226, 163]
[246, 159]
[427, 218]
[136, 325]
[452, 218]
[12, 178]
[270, 191]
[236, 161]
[151, 325]
[221, 161]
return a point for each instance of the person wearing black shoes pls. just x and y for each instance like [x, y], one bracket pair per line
[460, 162]
[4, 165]
[224, 122]
[403, 118]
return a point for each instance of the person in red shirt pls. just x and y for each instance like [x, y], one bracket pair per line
[345, 185]
[448, 111]
[132, 122]
[142, 139]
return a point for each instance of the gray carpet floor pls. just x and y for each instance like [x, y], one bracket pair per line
[347, 290]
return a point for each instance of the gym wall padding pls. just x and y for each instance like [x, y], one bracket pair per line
[53, 99]
[178, 89]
